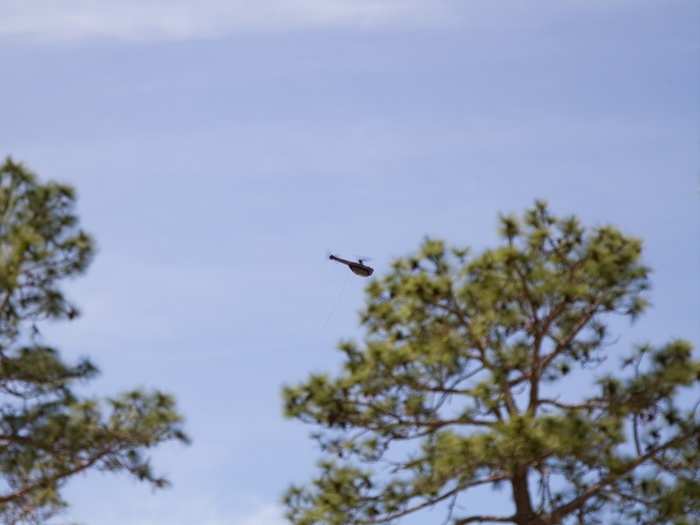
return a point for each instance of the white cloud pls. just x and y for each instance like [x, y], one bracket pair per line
[267, 514]
[201, 511]
[264, 515]
[157, 20]
[185, 19]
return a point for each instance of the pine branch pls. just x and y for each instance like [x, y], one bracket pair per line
[563, 344]
[50, 480]
[578, 502]
[432, 501]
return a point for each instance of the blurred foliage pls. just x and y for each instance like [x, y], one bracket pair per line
[48, 433]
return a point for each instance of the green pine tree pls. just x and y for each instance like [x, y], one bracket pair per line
[47, 432]
[464, 379]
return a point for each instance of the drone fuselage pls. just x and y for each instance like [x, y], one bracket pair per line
[356, 267]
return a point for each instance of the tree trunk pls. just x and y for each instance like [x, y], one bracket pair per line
[524, 515]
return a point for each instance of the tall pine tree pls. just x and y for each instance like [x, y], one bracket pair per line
[47, 432]
[467, 377]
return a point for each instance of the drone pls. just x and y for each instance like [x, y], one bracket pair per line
[357, 267]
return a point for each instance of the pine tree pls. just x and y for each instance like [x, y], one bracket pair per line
[48, 433]
[464, 380]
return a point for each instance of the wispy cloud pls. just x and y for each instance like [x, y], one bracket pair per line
[185, 19]
[264, 515]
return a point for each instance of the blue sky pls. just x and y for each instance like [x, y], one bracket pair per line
[220, 149]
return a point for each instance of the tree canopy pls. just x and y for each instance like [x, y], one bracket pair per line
[48, 433]
[485, 370]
